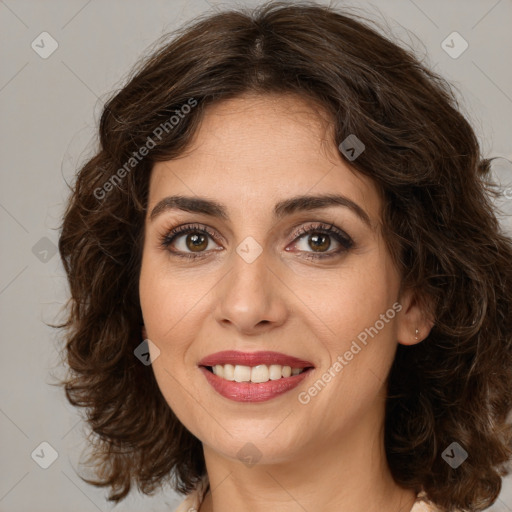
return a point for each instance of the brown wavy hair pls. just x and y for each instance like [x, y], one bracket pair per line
[438, 219]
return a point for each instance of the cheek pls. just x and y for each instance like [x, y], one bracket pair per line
[170, 305]
[162, 307]
[165, 296]
[358, 309]
[353, 298]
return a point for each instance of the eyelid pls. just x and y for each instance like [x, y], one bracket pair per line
[322, 227]
[305, 228]
[171, 234]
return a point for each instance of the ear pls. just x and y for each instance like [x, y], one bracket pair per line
[143, 332]
[415, 314]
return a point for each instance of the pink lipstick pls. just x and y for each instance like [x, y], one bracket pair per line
[233, 370]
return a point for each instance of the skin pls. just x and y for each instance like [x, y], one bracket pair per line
[249, 153]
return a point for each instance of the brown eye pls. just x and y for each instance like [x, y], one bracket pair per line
[319, 242]
[189, 241]
[315, 241]
[196, 242]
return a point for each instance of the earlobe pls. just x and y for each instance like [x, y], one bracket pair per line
[414, 335]
[414, 325]
[143, 332]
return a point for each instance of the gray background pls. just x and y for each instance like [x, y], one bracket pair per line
[49, 111]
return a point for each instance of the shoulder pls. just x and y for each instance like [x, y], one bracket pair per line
[193, 501]
[421, 504]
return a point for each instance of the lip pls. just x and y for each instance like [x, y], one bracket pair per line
[250, 391]
[235, 357]
[253, 392]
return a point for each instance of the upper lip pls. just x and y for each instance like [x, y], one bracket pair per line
[253, 359]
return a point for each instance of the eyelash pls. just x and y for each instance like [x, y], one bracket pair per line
[328, 229]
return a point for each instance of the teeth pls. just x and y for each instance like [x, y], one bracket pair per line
[242, 373]
[229, 371]
[260, 373]
[256, 374]
[274, 371]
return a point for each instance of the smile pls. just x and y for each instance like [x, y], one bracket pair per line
[255, 374]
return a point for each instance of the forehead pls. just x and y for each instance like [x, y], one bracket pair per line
[257, 150]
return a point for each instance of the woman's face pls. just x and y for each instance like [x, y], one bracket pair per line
[268, 277]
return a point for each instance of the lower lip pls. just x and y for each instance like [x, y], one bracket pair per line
[253, 392]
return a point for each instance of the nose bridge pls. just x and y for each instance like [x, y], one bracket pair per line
[250, 295]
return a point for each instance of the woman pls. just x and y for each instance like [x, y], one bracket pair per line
[289, 289]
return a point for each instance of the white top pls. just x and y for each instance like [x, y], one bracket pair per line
[193, 500]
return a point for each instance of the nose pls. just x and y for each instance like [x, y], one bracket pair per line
[251, 298]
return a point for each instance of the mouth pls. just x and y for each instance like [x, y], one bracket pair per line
[253, 377]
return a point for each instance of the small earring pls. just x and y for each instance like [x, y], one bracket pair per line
[416, 336]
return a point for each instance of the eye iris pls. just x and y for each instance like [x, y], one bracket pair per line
[196, 242]
[320, 242]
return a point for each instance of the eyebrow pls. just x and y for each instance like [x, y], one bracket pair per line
[281, 209]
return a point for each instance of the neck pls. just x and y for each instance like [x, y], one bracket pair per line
[333, 473]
